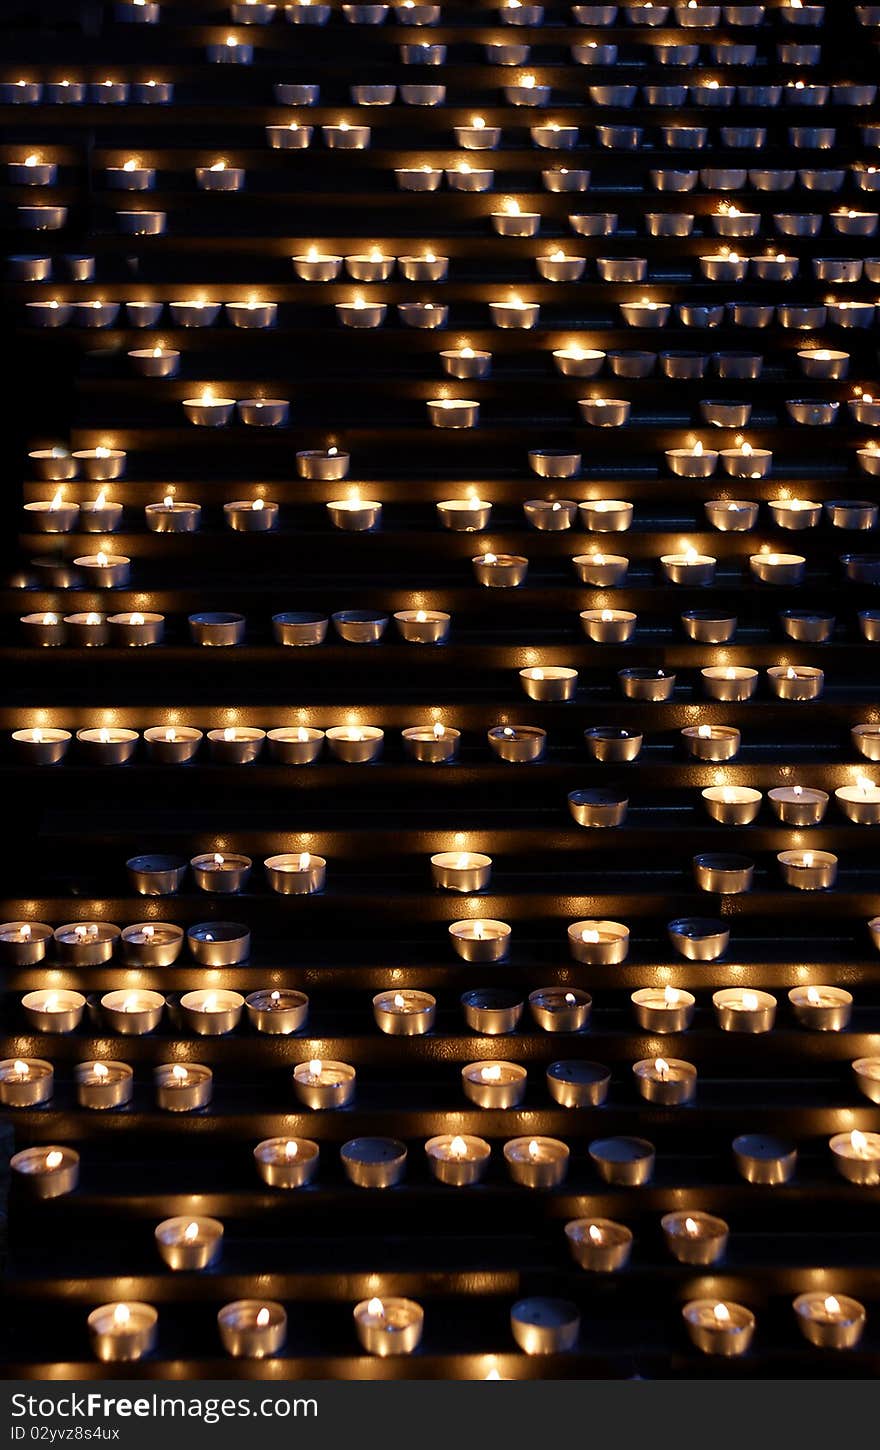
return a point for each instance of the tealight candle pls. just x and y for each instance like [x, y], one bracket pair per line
[830, 1321]
[152, 944]
[711, 742]
[277, 1013]
[85, 943]
[670, 1081]
[857, 1156]
[136, 630]
[465, 871]
[866, 740]
[355, 514]
[731, 516]
[778, 568]
[295, 745]
[263, 413]
[599, 1245]
[182, 1087]
[324, 1085]
[155, 362]
[25, 1082]
[389, 1326]
[345, 137]
[545, 1326]
[236, 744]
[122, 1332]
[739, 1009]
[457, 1159]
[537, 1162]
[798, 805]
[603, 571]
[453, 412]
[623, 1162]
[719, 1328]
[103, 571]
[608, 626]
[103, 1085]
[492, 1011]
[219, 177]
[100, 464]
[373, 1162]
[100, 515]
[695, 1238]
[550, 515]
[371, 266]
[464, 515]
[296, 873]
[315, 266]
[465, 363]
[727, 874]
[209, 411]
[561, 1009]
[404, 1013]
[46, 1172]
[597, 809]
[133, 1011]
[172, 517]
[645, 684]
[689, 568]
[53, 465]
[729, 682]
[172, 744]
[663, 1009]
[211, 1012]
[52, 516]
[423, 626]
[746, 461]
[326, 464]
[599, 943]
[219, 943]
[796, 682]
[480, 939]
[195, 312]
[87, 630]
[808, 870]
[287, 1162]
[251, 1329]
[219, 872]
[860, 803]
[578, 362]
[494, 1084]
[695, 462]
[549, 682]
[578, 1084]
[42, 745]
[823, 1009]
[355, 744]
[517, 744]
[53, 1010]
[189, 1243]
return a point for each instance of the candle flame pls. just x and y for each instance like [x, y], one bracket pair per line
[54, 1159]
[263, 1318]
[315, 1067]
[722, 1314]
[691, 1226]
[121, 1316]
[858, 1142]
[457, 1148]
[661, 1067]
[534, 1149]
[376, 1309]
[290, 1150]
[832, 1307]
[492, 1073]
[596, 1235]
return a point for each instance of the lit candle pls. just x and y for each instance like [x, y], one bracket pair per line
[355, 744]
[830, 1321]
[46, 1172]
[251, 1329]
[189, 1243]
[25, 1082]
[287, 1162]
[53, 1010]
[431, 744]
[465, 871]
[537, 1162]
[512, 221]
[808, 870]
[133, 1011]
[103, 1085]
[746, 461]
[796, 682]
[457, 1159]
[798, 805]
[324, 1085]
[561, 1009]
[278, 1013]
[860, 803]
[404, 1013]
[663, 1009]
[86, 943]
[389, 1326]
[717, 1327]
[689, 567]
[729, 682]
[857, 1156]
[695, 1238]
[182, 1087]
[208, 411]
[355, 514]
[739, 1009]
[598, 943]
[480, 939]
[666, 1080]
[464, 515]
[211, 1012]
[296, 873]
[494, 1084]
[599, 1245]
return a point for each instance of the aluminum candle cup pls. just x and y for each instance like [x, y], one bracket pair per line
[211, 1012]
[599, 943]
[355, 744]
[431, 744]
[822, 1009]
[494, 1084]
[808, 870]
[23, 943]
[466, 515]
[867, 1074]
[355, 515]
[155, 875]
[87, 630]
[727, 874]
[763, 1159]
[172, 744]
[221, 873]
[25, 1082]
[608, 626]
[729, 682]
[100, 464]
[54, 465]
[778, 568]
[577, 362]
[102, 1085]
[85, 943]
[219, 943]
[866, 740]
[136, 630]
[663, 1009]
[151, 944]
[299, 628]
[694, 1237]
[746, 462]
[252, 1329]
[295, 744]
[599, 1245]
[41, 745]
[423, 626]
[798, 805]
[103, 571]
[122, 1332]
[610, 743]
[189, 1243]
[277, 1013]
[51, 516]
[545, 1326]
[217, 629]
[458, 1160]
[719, 1328]
[287, 1162]
[860, 803]
[171, 517]
[561, 1009]
[325, 464]
[830, 1321]
[550, 515]
[597, 809]
[578, 1084]
[46, 1172]
[389, 1326]
[236, 744]
[666, 1080]
[852, 513]
[500, 571]
[407, 1013]
[537, 1162]
[731, 516]
[695, 462]
[807, 628]
[296, 873]
[856, 1156]
[182, 1087]
[465, 871]
[603, 571]
[373, 1162]
[480, 940]
[251, 516]
[53, 1009]
[492, 1011]
[155, 362]
[604, 412]
[739, 1009]
[324, 1085]
[653, 686]
[795, 514]
[549, 682]
[711, 742]
[623, 1162]
[517, 744]
[132, 1011]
